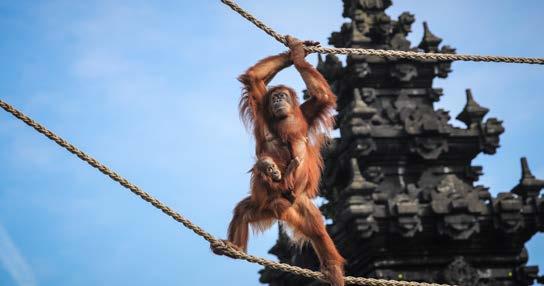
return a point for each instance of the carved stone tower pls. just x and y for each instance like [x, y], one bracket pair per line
[399, 183]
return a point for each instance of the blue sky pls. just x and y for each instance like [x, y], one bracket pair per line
[148, 87]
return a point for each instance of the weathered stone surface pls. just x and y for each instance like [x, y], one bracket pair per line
[399, 184]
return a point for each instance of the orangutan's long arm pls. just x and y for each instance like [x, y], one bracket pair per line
[255, 80]
[322, 100]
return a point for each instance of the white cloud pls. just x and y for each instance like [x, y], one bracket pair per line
[14, 262]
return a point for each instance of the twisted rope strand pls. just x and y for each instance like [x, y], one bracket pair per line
[214, 242]
[419, 56]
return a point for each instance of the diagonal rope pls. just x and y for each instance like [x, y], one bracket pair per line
[214, 242]
[419, 56]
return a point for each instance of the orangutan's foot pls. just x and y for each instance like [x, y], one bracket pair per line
[334, 271]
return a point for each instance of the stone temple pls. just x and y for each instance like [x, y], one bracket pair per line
[400, 188]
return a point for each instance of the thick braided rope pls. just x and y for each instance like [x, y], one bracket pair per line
[384, 53]
[214, 242]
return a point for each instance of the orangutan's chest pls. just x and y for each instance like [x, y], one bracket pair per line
[274, 145]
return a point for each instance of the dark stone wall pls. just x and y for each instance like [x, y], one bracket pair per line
[399, 183]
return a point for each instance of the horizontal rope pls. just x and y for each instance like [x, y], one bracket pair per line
[214, 242]
[419, 56]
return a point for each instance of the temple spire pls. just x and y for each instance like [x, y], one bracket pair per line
[528, 186]
[473, 113]
[430, 42]
[525, 171]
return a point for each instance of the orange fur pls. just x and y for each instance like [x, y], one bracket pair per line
[301, 135]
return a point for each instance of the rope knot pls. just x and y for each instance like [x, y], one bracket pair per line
[218, 247]
[224, 247]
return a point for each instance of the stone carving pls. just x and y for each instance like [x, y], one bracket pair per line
[361, 212]
[362, 147]
[399, 185]
[430, 42]
[529, 187]
[406, 211]
[429, 147]
[357, 184]
[435, 93]
[509, 212]
[381, 28]
[331, 68]
[459, 204]
[417, 120]
[374, 174]
[340, 39]
[491, 130]
[374, 4]
[459, 226]
[401, 29]
[361, 26]
[404, 72]
[444, 68]
[361, 70]
[367, 94]
[473, 173]
[473, 113]
[460, 272]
